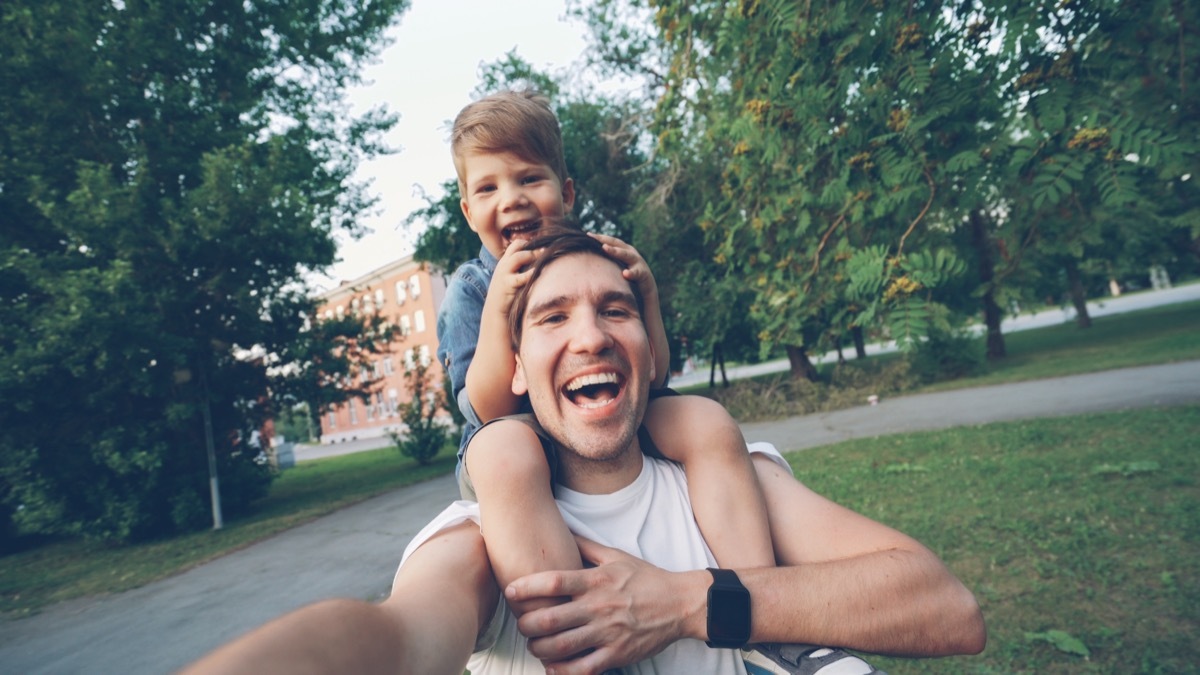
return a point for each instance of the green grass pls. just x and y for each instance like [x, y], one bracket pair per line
[72, 568]
[1147, 337]
[1088, 526]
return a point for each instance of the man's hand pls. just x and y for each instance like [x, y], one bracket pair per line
[621, 611]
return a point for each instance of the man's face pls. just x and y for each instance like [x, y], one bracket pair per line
[506, 197]
[586, 363]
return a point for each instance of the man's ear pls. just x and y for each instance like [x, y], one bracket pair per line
[519, 386]
[568, 195]
[466, 211]
[653, 369]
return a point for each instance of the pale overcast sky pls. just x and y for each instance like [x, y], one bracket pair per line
[427, 75]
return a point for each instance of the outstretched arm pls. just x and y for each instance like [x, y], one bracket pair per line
[442, 597]
[847, 581]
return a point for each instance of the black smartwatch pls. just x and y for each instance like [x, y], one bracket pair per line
[728, 611]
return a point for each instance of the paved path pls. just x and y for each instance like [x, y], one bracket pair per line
[353, 553]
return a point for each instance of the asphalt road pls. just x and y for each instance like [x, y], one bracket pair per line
[353, 553]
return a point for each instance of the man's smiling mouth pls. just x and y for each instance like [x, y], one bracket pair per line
[594, 390]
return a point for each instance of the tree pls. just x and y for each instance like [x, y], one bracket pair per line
[172, 171]
[424, 436]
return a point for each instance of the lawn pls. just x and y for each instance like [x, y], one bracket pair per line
[1078, 535]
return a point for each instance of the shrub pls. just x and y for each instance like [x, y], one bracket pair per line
[945, 355]
[425, 435]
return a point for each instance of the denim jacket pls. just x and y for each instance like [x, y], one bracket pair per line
[458, 331]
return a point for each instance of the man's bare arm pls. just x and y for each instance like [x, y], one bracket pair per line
[845, 580]
[442, 596]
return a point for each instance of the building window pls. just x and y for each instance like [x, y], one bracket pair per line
[401, 292]
[393, 402]
[378, 298]
[405, 326]
[375, 369]
[332, 419]
[353, 410]
[425, 355]
[354, 307]
[341, 311]
[419, 320]
[408, 360]
[370, 407]
[414, 286]
[329, 314]
[388, 368]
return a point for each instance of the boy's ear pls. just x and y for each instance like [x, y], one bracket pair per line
[519, 386]
[568, 195]
[466, 211]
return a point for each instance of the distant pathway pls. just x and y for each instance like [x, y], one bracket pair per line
[354, 552]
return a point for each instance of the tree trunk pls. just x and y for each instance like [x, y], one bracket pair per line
[801, 366]
[1078, 295]
[860, 343]
[718, 356]
[992, 314]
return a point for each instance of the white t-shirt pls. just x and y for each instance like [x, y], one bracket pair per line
[651, 519]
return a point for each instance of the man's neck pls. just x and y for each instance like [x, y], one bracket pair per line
[600, 477]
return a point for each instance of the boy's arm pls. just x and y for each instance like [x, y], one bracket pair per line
[490, 375]
[638, 271]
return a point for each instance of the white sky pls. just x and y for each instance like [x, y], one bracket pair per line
[427, 75]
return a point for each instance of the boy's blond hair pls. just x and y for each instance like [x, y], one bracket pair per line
[520, 122]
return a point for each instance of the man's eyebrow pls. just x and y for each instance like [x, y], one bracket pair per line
[559, 301]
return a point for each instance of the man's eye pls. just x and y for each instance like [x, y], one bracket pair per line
[617, 313]
[553, 318]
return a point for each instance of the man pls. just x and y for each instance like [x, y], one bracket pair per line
[585, 362]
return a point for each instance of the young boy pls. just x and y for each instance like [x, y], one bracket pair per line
[508, 155]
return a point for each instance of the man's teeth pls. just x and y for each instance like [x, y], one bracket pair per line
[588, 380]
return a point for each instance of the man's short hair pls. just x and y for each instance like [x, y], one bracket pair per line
[553, 243]
[520, 122]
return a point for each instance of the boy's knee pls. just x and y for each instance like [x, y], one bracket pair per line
[506, 450]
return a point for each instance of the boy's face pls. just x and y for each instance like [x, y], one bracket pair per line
[506, 197]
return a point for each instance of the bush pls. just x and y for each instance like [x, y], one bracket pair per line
[425, 436]
[946, 355]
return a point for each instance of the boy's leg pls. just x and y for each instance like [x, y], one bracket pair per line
[726, 497]
[429, 624]
[522, 526]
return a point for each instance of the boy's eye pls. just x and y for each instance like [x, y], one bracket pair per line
[527, 180]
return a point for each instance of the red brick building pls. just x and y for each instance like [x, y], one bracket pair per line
[407, 295]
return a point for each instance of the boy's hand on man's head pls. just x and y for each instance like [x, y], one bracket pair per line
[636, 269]
[512, 273]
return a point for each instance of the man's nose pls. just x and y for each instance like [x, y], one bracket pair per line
[589, 336]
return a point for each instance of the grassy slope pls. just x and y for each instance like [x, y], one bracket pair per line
[1088, 525]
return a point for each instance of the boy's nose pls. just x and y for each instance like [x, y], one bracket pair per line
[513, 197]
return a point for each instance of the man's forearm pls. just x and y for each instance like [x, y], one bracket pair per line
[899, 602]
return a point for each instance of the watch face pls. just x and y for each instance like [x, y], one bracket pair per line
[729, 619]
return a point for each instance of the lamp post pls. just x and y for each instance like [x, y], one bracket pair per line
[214, 487]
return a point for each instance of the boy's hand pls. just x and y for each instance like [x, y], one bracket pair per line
[512, 273]
[636, 268]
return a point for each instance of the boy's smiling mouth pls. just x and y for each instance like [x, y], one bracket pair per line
[523, 230]
[594, 390]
